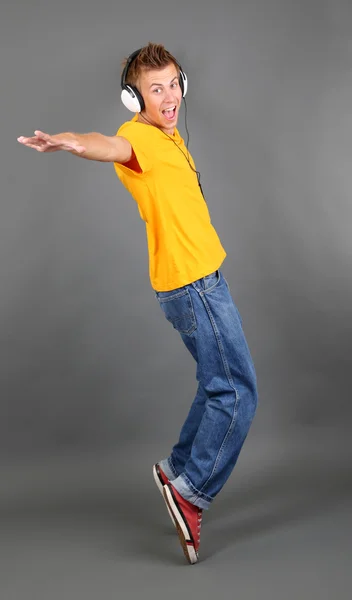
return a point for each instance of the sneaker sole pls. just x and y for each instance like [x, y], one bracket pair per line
[160, 487]
[184, 534]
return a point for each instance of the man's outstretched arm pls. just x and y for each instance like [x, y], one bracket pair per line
[93, 146]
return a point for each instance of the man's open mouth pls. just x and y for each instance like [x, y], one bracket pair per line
[170, 113]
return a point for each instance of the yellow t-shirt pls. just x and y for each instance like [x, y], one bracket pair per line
[183, 245]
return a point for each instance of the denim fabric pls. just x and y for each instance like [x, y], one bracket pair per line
[204, 314]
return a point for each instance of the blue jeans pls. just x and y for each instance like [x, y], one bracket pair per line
[212, 436]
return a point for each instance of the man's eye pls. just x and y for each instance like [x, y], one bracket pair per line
[157, 89]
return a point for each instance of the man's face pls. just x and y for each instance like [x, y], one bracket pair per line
[162, 95]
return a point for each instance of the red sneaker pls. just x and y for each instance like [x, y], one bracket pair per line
[161, 480]
[160, 477]
[188, 519]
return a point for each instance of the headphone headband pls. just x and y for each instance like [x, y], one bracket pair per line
[127, 66]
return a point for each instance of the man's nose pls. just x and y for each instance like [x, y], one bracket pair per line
[169, 95]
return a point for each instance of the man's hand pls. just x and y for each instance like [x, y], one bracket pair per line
[43, 142]
[93, 146]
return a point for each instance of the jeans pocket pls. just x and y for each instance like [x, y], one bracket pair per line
[178, 310]
[211, 281]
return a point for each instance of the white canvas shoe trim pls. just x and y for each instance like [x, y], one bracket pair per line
[160, 488]
[191, 551]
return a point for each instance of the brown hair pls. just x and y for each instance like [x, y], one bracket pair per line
[152, 56]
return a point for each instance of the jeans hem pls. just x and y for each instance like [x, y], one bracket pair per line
[185, 488]
[167, 466]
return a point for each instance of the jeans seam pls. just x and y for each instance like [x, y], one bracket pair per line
[230, 380]
[221, 449]
[220, 346]
[172, 467]
[228, 433]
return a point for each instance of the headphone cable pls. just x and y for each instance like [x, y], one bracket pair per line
[178, 147]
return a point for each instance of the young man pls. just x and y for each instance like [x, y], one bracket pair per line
[185, 255]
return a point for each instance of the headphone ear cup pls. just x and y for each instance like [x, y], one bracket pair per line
[183, 83]
[132, 99]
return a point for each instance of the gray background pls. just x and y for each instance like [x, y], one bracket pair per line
[94, 383]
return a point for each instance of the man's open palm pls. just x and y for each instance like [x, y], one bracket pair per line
[43, 142]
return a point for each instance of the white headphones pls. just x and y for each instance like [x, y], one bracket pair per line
[132, 98]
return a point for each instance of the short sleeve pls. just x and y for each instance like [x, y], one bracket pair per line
[135, 133]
